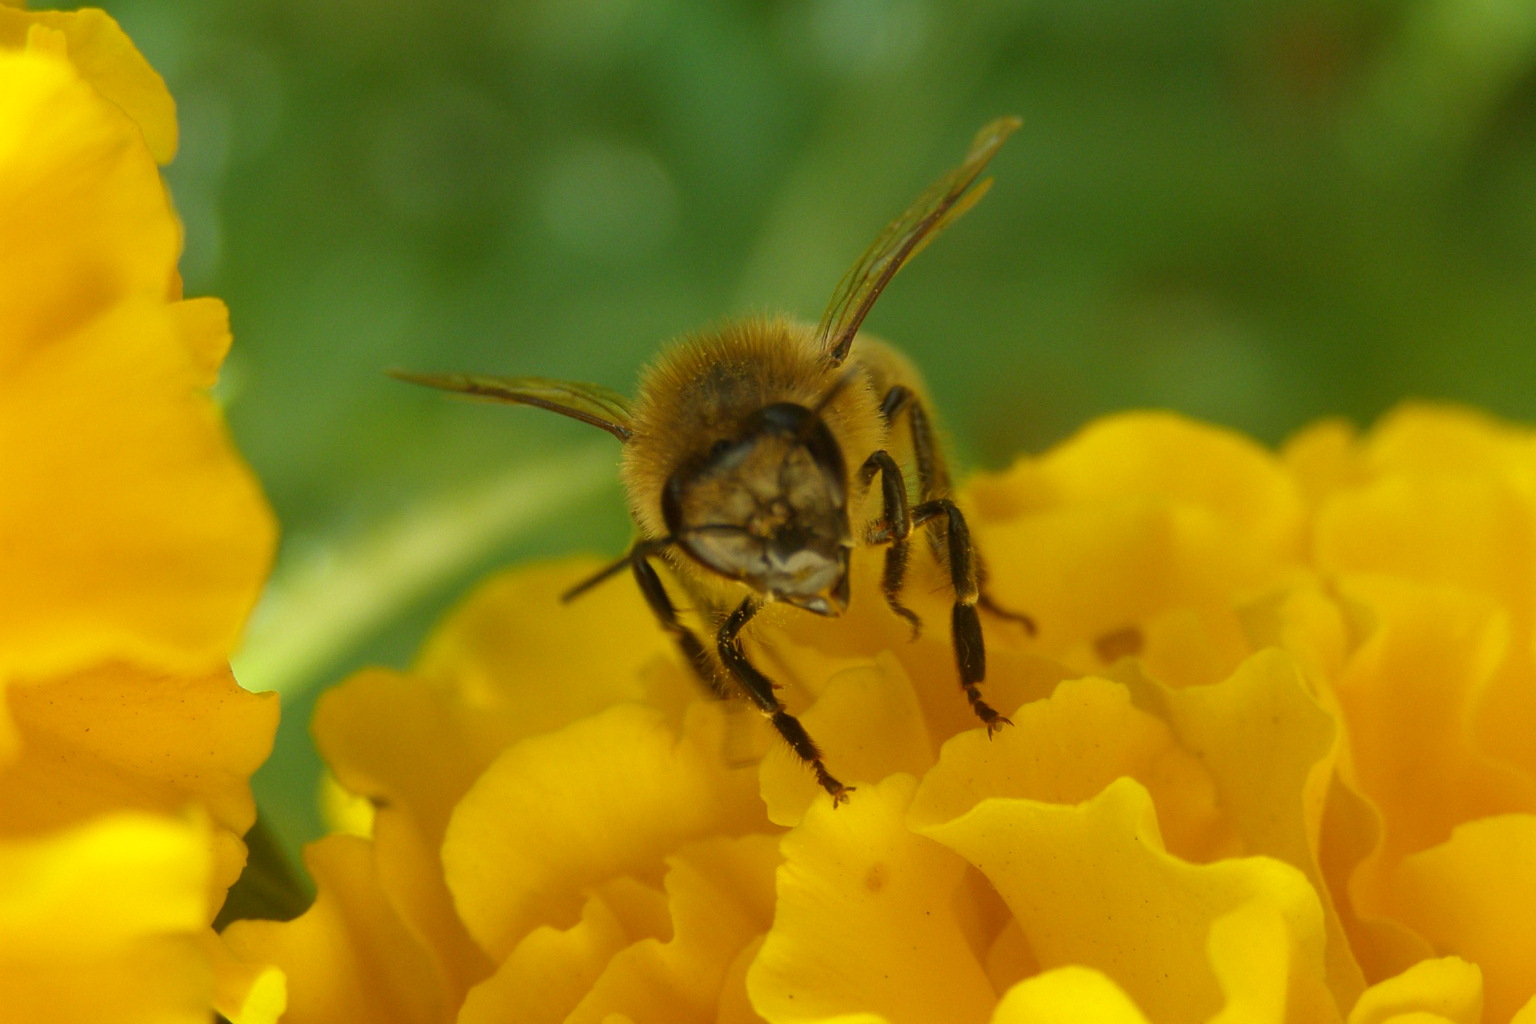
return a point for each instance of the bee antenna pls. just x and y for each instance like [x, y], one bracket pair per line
[827, 398]
[641, 550]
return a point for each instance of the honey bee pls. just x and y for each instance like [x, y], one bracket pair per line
[749, 444]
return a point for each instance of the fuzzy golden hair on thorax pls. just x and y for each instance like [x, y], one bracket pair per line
[704, 387]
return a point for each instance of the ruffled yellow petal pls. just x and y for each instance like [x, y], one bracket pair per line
[87, 219]
[395, 741]
[549, 973]
[805, 654]
[1067, 995]
[514, 660]
[871, 717]
[1472, 532]
[101, 922]
[244, 993]
[1408, 696]
[165, 571]
[1328, 748]
[719, 895]
[122, 738]
[538, 826]
[1138, 514]
[1429, 438]
[1473, 896]
[1067, 748]
[107, 58]
[1092, 885]
[348, 959]
[866, 921]
[1450, 989]
[1271, 749]
[1325, 457]
[132, 529]
[134, 541]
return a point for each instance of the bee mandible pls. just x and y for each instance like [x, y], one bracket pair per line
[746, 448]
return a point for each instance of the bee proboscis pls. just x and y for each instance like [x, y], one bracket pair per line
[736, 463]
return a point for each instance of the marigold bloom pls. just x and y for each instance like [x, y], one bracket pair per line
[1267, 763]
[133, 542]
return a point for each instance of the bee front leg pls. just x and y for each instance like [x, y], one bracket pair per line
[759, 689]
[965, 625]
[894, 527]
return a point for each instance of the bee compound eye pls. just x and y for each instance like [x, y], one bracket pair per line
[719, 447]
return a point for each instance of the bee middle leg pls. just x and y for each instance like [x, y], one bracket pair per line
[933, 483]
[965, 625]
[893, 529]
[759, 689]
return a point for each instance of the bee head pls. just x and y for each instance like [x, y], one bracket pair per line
[769, 507]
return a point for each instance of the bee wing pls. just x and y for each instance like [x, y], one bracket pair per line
[590, 403]
[934, 210]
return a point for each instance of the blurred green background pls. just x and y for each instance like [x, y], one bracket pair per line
[1254, 212]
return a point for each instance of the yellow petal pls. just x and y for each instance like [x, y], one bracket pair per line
[107, 58]
[1270, 749]
[1324, 457]
[1067, 995]
[1408, 697]
[1472, 896]
[805, 653]
[511, 661]
[514, 660]
[119, 737]
[244, 993]
[392, 738]
[1263, 971]
[548, 973]
[720, 894]
[866, 921]
[1474, 532]
[85, 215]
[1193, 646]
[609, 795]
[165, 571]
[1450, 988]
[869, 723]
[102, 393]
[100, 922]
[348, 958]
[1427, 437]
[395, 740]
[1067, 748]
[1092, 885]
[1137, 514]
[1453, 504]
[735, 1007]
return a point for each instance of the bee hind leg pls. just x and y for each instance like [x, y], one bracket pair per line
[759, 689]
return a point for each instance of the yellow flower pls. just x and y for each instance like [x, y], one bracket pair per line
[1269, 761]
[133, 542]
